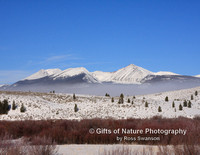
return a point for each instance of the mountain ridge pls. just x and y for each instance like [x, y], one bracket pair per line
[130, 74]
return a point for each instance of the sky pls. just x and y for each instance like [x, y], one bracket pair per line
[106, 35]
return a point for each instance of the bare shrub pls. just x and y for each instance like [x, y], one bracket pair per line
[129, 150]
[186, 149]
[41, 146]
[165, 150]
[76, 132]
[179, 150]
[9, 147]
[38, 146]
[121, 150]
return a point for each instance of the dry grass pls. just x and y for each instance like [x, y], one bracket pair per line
[39, 146]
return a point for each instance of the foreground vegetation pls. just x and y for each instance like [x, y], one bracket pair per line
[77, 132]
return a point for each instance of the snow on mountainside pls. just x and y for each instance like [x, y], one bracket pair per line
[197, 76]
[102, 76]
[130, 74]
[165, 73]
[42, 73]
[74, 72]
[61, 106]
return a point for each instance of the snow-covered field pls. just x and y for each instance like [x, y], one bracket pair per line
[103, 149]
[61, 106]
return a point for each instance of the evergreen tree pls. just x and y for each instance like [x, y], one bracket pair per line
[75, 108]
[146, 104]
[107, 95]
[185, 103]
[196, 93]
[192, 97]
[132, 102]
[129, 101]
[189, 104]
[121, 99]
[173, 104]
[74, 96]
[53, 91]
[112, 100]
[180, 107]
[22, 109]
[159, 109]
[14, 105]
[4, 107]
[133, 97]
[166, 99]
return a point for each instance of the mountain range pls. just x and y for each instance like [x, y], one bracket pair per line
[130, 74]
[83, 81]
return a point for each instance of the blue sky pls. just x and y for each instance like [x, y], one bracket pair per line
[98, 35]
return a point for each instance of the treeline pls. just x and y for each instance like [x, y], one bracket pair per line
[77, 132]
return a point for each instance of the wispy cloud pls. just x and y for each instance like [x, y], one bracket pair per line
[59, 58]
[52, 61]
[85, 64]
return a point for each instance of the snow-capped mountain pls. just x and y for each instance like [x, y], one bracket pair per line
[197, 76]
[130, 74]
[42, 73]
[130, 79]
[72, 72]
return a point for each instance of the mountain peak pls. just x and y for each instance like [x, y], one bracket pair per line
[42, 73]
[130, 74]
[131, 66]
[71, 72]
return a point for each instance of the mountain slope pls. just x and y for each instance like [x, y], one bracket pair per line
[130, 74]
[73, 72]
[42, 73]
[102, 76]
[131, 80]
[45, 81]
